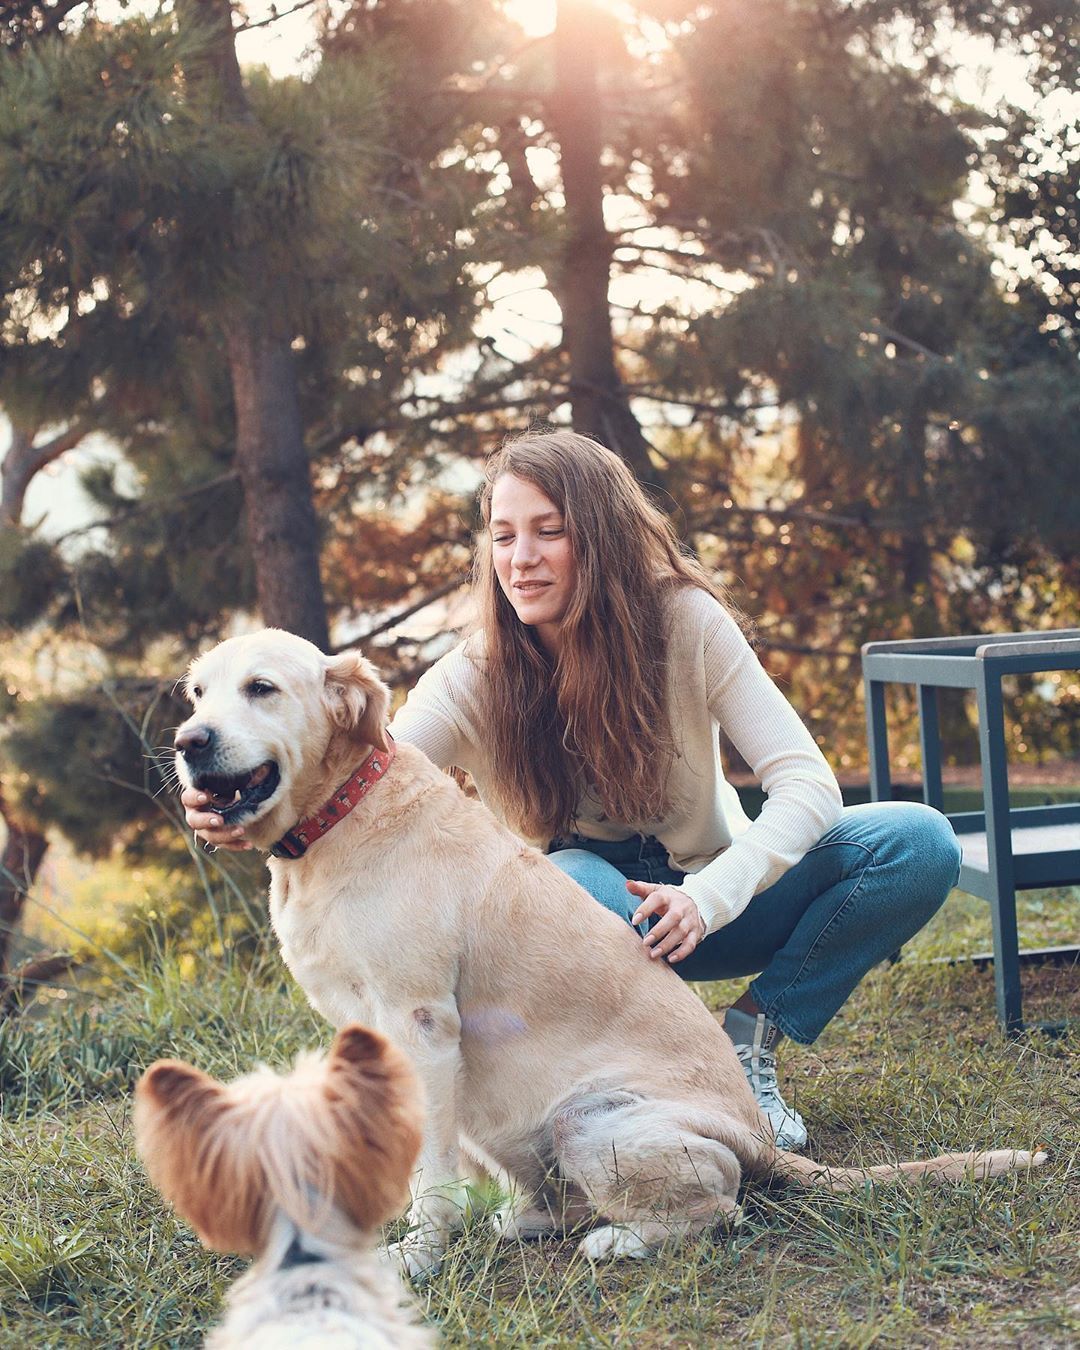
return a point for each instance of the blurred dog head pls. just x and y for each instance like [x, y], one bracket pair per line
[331, 1145]
[267, 707]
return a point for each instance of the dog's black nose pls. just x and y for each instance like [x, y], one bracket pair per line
[191, 741]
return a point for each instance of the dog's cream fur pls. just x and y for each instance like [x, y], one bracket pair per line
[313, 1161]
[551, 1048]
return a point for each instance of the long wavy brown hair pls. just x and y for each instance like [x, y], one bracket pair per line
[596, 714]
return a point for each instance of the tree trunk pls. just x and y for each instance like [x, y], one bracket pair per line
[23, 852]
[272, 459]
[25, 845]
[598, 399]
[282, 529]
[916, 556]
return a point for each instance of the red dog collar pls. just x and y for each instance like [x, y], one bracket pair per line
[295, 843]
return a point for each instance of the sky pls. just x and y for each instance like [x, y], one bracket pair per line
[524, 314]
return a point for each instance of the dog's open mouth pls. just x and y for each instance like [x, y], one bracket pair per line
[236, 795]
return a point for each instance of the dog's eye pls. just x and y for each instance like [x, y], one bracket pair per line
[196, 691]
[259, 688]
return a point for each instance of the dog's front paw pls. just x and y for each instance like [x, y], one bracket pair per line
[612, 1240]
[419, 1254]
[523, 1225]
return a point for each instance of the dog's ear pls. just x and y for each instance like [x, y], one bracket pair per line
[192, 1140]
[359, 1046]
[357, 699]
[375, 1100]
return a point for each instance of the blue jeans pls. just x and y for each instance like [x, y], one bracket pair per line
[865, 888]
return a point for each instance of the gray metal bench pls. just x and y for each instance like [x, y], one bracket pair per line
[1005, 849]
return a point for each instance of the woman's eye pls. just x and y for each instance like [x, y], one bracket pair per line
[550, 534]
[501, 538]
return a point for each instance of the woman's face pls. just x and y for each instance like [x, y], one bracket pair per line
[532, 555]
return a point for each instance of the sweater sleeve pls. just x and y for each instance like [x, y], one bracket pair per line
[434, 716]
[802, 796]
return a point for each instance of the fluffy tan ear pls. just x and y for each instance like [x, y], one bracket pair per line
[192, 1140]
[375, 1100]
[358, 700]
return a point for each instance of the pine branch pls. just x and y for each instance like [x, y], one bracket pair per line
[145, 507]
[894, 335]
[725, 409]
[23, 21]
[484, 398]
[428, 598]
[275, 15]
[710, 520]
[480, 83]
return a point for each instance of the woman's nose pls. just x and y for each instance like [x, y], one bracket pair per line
[524, 551]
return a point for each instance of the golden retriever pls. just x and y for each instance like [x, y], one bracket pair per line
[551, 1050]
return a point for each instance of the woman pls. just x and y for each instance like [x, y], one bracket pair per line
[588, 708]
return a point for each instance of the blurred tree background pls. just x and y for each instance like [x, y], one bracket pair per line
[817, 288]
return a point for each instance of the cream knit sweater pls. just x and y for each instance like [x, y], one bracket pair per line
[715, 683]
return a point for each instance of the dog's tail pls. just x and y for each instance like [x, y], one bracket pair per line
[945, 1167]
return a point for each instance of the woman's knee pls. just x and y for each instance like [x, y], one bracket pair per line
[603, 881]
[934, 839]
[578, 863]
[931, 852]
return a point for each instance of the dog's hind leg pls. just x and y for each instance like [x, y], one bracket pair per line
[646, 1167]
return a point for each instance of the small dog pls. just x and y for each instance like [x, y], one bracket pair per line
[298, 1171]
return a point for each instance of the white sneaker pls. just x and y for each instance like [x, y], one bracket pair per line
[754, 1037]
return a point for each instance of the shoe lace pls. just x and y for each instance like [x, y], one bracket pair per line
[761, 1070]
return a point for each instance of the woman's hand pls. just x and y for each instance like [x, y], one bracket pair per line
[680, 927]
[208, 826]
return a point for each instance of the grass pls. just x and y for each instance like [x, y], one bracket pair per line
[89, 1256]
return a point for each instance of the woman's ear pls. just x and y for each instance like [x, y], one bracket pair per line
[357, 699]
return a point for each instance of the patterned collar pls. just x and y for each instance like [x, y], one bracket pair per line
[298, 1255]
[295, 843]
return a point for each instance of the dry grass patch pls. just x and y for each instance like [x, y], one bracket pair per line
[90, 1257]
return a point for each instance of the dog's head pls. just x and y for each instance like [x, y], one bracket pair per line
[266, 708]
[334, 1140]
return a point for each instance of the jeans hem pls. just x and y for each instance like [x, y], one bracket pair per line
[780, 1020]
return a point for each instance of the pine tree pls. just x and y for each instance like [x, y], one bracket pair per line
[222, 276]
[855, 411]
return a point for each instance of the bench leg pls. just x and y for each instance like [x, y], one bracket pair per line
[1007, 962]
[995, 771]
